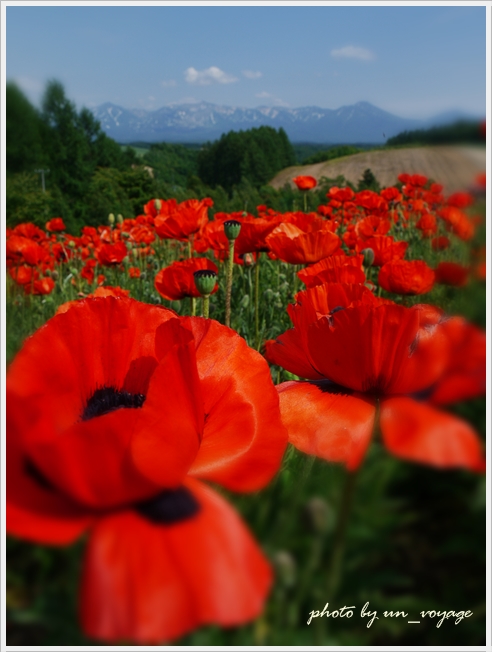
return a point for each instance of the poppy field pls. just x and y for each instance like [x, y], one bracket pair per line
[253, 428]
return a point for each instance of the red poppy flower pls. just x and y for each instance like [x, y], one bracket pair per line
[29, 230]
[21, 274]
[341, 194]
[87, 271]
[440, 243]
[384, 247]
[465, 375]
[176, 281]
[370, 200]
[458, 222]
[334, 269]
[305, 239]
[110, 291]
[359, 354]
[20, 248]
[160, 207]
[305, 182]
[134, 272]
[406, 277]
[111, 254]
[115, 410]
[44, 285]
[188, 218]
[212, 237]
[253, 234]
[427, 224]
[391, 195]
[55, 224]
[481, 180]
[141, 234]
[448, 273]
[460, 199]
[372, 225]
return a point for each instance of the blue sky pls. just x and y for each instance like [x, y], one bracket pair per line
[412, 61]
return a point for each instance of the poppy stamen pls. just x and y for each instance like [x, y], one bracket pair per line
[170, 506]
[109, 399]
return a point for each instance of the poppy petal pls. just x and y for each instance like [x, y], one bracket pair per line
[287, 352]
[369, 348]
[152, 583]
[418, 432]
[334, 426]
[91, 461]
[171, 424]
[244, 439]
[35, 510]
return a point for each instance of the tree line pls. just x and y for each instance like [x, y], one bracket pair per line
[87, 175]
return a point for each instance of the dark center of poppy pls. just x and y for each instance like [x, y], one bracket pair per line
[329, 387]
[170, 506]
[35, 474]
[109, 399]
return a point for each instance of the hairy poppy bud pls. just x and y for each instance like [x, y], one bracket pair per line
[286, 567]
[205, 281]
[157, 204]
[368, 256]
[111, 218]
[318, 514]
[249, 260]
[120, 218]
[232, 229]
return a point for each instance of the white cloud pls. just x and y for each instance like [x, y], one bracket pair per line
[273, 100]
[252, 74]
[352, 52]
[212, 75]
[167, 83]
[29, 84]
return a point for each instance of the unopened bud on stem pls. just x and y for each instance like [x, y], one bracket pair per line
[232, 229]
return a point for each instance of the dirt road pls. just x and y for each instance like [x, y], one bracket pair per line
[455, 167]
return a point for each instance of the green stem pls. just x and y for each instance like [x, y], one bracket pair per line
[296, 279]
[193, 306]
[257, 302]
[205, 305]
[338, 550]
[305, 201]
[230, 264]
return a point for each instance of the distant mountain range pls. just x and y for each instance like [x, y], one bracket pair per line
[200, 122]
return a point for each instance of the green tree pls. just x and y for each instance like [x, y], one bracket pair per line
[24, 133]
[256, 154]
[368, 181]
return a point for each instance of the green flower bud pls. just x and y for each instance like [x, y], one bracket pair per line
[111, 218]
[120, 218]
[368, 256]
[232, 229]
[286, 567]
[318, 514]
[205, 281]
[71, 244]
[157, 204]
